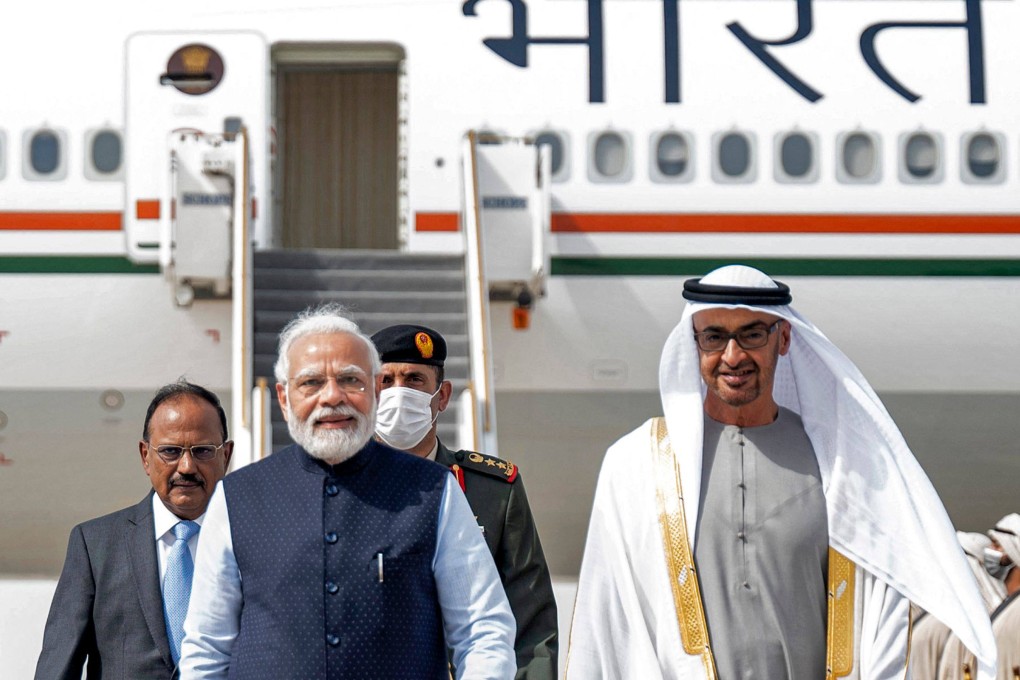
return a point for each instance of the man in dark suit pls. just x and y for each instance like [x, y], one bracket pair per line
[108, 609]
[413, 393]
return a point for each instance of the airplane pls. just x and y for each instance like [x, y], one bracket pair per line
[156, 161]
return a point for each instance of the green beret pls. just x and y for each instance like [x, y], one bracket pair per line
[410, 344]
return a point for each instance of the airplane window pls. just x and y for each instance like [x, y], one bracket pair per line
[796, 154]
[734, 154]
[672, 154]
[43, 155]
[921, 156]
[610, 154]
[983, 156]
[44, 152]
[106, 151]
[557, 151]
[859, 157]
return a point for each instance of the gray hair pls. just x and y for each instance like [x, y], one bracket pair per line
[331, 317]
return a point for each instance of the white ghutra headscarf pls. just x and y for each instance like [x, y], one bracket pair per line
[1007, 533]
[883, 512]
[992, 589]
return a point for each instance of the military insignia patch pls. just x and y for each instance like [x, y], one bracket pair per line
[424, 344]
[490, 465]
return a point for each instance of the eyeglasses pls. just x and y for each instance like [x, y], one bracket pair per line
[171, 453]
[310, 385]
[748, 338]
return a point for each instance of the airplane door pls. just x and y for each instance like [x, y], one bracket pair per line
[337, 128]
[189, 82]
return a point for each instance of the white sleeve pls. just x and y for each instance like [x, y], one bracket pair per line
[214, 611]
[477, 620]
[624, 622]
[885, 630]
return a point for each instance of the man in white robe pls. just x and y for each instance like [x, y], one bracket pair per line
[1001, 557]
[930, 636]
[640, 614]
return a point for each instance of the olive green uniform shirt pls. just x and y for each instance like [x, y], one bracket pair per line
[503, 514]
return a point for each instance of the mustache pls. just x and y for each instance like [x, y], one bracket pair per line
[186, 479]
[342, 411]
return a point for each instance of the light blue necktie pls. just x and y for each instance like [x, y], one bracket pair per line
[177, 585]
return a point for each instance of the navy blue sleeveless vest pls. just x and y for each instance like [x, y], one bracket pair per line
[307, 537]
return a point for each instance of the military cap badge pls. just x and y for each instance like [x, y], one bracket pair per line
[424, 344]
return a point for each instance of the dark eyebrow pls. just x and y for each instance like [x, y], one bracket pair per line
[746, 327]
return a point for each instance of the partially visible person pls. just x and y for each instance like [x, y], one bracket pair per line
[414, 393]
[120, 603]
[1001, 558]
[930, 636]
[340, 557]
[976, 546]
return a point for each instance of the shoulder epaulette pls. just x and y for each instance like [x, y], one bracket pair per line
[489, 465]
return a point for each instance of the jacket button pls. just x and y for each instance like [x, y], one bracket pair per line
[332, 490]
[332, 588]
[331, 537]
[332, 640]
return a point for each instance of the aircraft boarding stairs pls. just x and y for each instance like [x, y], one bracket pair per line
[379, 288]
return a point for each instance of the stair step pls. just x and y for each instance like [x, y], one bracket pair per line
[370, 322]
[377, 301]
[377, 280]
[354, 259]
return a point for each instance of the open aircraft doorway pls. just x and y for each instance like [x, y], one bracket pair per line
[337, 123]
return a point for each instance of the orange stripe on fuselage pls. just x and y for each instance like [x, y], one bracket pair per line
[60, 221]
[147, 210]
[714, 223]
[436, 221]
[633, 223]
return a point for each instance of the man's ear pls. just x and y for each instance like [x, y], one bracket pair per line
[784, 337]
[445, 392]
[143, 452]
[281, 394]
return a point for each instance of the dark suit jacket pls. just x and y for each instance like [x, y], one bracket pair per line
[501, 508]
[107, 606]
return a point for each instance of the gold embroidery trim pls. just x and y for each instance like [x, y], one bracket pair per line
[839, 654]
[690, 613]
[910, 640]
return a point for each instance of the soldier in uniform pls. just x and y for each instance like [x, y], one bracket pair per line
[413, 393]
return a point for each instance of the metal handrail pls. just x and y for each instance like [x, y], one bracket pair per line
[242, 313]
[261, 425]
[479, 336]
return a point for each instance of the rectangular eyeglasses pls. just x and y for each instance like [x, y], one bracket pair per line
[747, 338]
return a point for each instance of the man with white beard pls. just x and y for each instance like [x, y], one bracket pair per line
[357, 560]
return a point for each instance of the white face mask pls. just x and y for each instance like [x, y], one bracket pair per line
[992, 560]
[404, 416]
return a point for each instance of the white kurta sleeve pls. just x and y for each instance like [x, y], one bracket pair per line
[477, 619]
[214, 611]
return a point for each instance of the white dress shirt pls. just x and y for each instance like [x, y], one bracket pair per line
[165, 521]
[478, 624]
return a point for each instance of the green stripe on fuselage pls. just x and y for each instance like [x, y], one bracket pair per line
[780, 266]
[73, 264]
